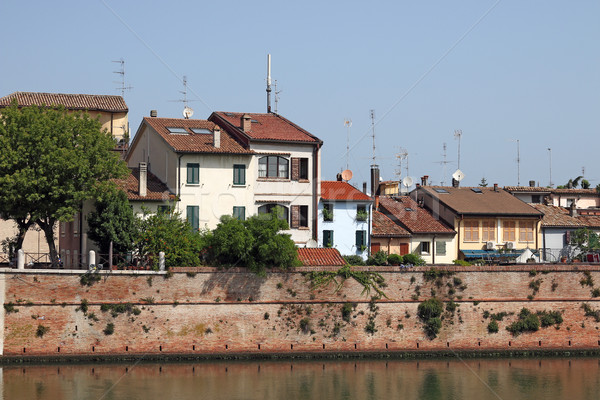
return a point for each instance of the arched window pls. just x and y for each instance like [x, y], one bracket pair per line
[268, 208]
[273, 167]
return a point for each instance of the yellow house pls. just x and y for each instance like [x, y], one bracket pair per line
[485, 218]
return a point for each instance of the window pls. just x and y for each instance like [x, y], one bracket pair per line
[299, 217]
[304, 168]
[163, 209]
[193, 174]
[283, 211]
[63, 228]
[177, 130]
[536, 198]
[239, 213]
[193, 216]
[440, 248]
[327, 238]
[425, 248]
[273, 167]
[76, 225]
[488, 231]
[361, 240]
[327, 212]
[201, 131]
[526, 231]
[361, 213]
[304, 216]
[471, 231]
[299, 169]
[508, 228]
[239, 174]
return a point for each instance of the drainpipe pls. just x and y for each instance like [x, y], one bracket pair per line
[315, 190]
[178, 180]
[433, 250]
[544, 243]
[458, 241]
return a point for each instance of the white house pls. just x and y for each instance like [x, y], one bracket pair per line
[234, 164]
[345, 218]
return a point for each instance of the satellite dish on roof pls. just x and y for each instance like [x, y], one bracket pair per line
[311, 244]
[458, 175]
[346, 174]
[187, 112]
[407, 181]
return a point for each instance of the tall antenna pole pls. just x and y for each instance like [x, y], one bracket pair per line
[518, 163]
[550, 154]
[276, 94]
[268, 83]
[121, 72]
[373, 128]
[184, 92]
[458, 134]
[347, 124]
[444, 164]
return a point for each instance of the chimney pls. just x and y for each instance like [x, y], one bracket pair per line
[143, 183]
[376, 205]
[424, 180]
[153, 113]
[246, 123]
[573, 210]
[217, 137]
[496, 187]
[338, 177]
[531, 183]
[365, 187]
[455, 183]
[374, 180]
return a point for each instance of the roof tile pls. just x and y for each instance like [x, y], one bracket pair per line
[557, 216]
[91, 102]
[336, 190]
[318, 257]
[156, 190]
[415, 219]
[383, 226]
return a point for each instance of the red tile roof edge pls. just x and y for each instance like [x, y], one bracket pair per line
[322, 256]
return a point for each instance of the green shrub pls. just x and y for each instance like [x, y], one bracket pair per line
[110, 329]
[451, 306]
[395, 259]
[354, 260]
[432, 327]
[379, 258]
[548, 318]
[413, 259]
[347, 311]
[590, 312]
[587, 279]
[527, 322]
[595, 292]
[305, 325]
[492, 327]
[10, 308]
[41, 330]
[88, 279]
[430, 308]
[461, 263]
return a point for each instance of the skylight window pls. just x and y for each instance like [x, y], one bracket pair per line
[476, 190]
[229, 114]
[254, 121]
[203, 131]
[177, 130]
[408, 209]
[440, 190]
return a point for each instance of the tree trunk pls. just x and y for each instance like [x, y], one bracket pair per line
[47, 225]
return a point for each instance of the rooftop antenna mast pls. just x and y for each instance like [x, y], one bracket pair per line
[373, 129]
[121, 72]
[187, 110]
[518, 163]
[347, 124]
[550, 154]
[276, 94]
[268, 83]
[458, 135]
[444, 163]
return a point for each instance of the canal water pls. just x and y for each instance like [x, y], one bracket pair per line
[506, 379]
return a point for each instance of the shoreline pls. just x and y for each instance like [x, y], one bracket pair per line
[307, 356]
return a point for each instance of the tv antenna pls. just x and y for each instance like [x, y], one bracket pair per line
[121, 72]
[276, 94]
[444, 162]
[458, 135]
[373, 129]
[187, 110]
[518, 163]
[347, 124]
[402, 155]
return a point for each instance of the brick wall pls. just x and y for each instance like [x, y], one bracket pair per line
[236, 312]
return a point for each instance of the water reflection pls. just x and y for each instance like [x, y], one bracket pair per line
[326, 380]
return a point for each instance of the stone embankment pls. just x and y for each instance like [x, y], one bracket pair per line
[209, 312]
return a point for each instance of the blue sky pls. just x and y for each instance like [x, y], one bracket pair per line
[497, 70]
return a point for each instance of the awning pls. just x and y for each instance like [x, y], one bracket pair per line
[483, 254]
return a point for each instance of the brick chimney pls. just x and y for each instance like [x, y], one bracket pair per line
[217, 137]
[573, 210]
[496, 187]
[246, 122]
[143, 181]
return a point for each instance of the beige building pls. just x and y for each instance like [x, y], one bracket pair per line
[234, 164]
[111, 111]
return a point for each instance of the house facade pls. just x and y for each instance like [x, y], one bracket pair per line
[234, 164]
[430, 238]
[485, 218]
[345, 218]
[388, 236]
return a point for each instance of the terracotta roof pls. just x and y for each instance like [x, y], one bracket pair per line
[320, 257]
[156, 190]
[415, 219]
[268, 126]
[91, 102]
[590, 221]
[585, 192]
[336, 190]
[385, 227]
[194, 142]
[466, 201]
[527, 189]
[557, 216]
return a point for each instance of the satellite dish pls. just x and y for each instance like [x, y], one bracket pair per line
[311, 244]
[346, 174]
[458, 175]
[187, 112]
[407, 181]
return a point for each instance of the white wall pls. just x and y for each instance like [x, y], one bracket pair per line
[344, 226]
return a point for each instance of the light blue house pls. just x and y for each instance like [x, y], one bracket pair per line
[344, 218]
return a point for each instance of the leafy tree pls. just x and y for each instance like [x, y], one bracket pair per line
[168, 232]
[585, 240]
[51, 161]
[585, 184]
[112, 221]
[255, 243]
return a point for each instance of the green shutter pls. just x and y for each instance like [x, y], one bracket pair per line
[193, 216]
[327, 238]
[361, 237]
[239, 174]
[193, 173]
